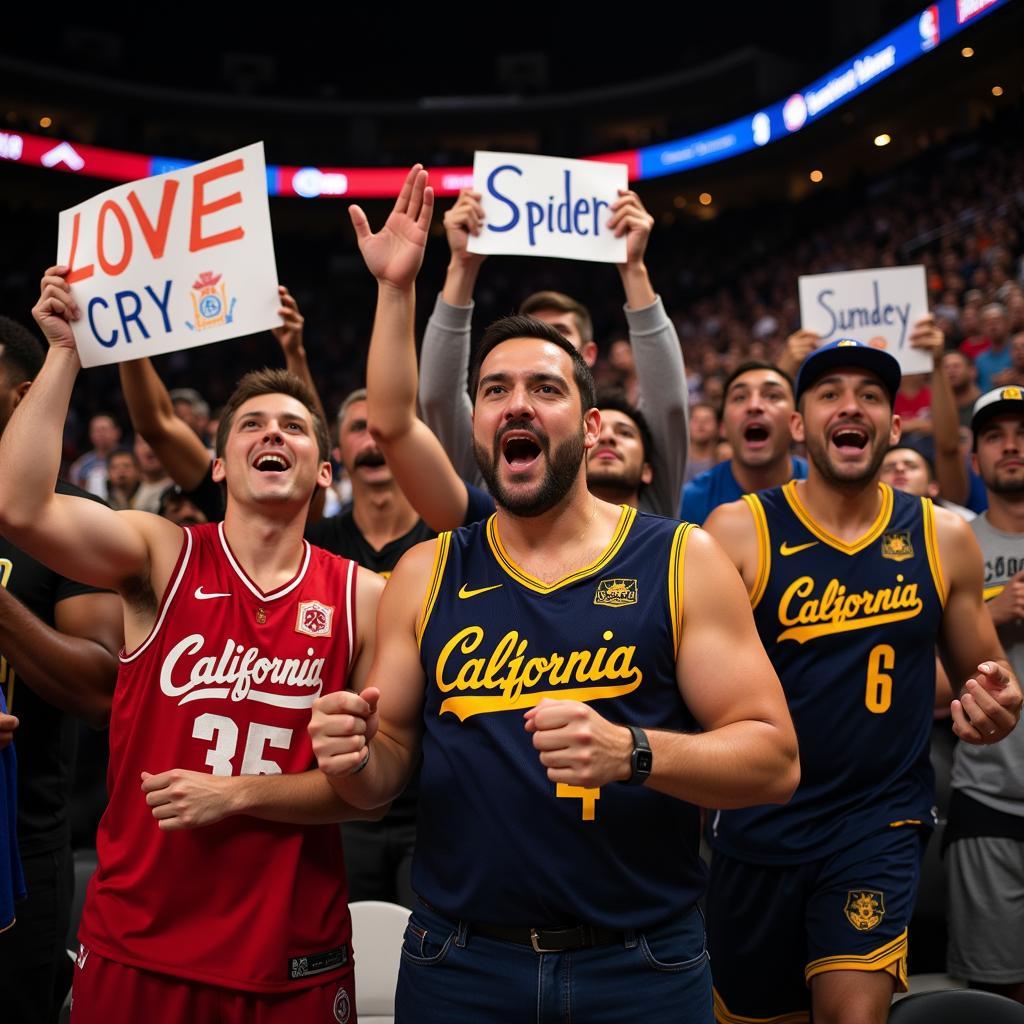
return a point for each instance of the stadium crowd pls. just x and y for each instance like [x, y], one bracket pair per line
[697, 383]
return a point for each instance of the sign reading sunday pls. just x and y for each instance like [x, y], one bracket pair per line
[878, 307]
[172, 262]
[547, 206]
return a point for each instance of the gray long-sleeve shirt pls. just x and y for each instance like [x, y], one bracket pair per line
[447, 407]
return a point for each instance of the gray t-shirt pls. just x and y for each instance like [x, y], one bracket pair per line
[994, 775]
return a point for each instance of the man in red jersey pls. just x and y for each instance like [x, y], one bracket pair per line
[233, 630]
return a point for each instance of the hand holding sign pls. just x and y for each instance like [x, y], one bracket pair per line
[56, 309]
[394, 254]
[873, 306]
[631, 220]
[547, 206]
[173, 261]
[927, 337]
[464, 221]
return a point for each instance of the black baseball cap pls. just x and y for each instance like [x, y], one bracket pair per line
[1009, 399]
[848, 352]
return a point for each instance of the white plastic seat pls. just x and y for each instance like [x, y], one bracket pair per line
[377, 932]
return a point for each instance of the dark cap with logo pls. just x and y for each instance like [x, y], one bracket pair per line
[847, 352]
[997, 402]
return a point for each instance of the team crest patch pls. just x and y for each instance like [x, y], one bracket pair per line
[315, 619]
[210, 302]
[1011, 394]
[897, 546]
[342, 1007]
[864, 908]
[615, 593]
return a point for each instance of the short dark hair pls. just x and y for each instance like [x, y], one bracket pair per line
[903, 447]
[122, 451]
[272, 382]
[22, 354]
[694, 406]
[510, 327]
[757, 364]
[564, 304]
[615, 399]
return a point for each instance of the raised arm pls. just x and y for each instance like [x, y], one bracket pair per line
[420, 465]
[447, 408]
[175, 443]
[950, 468]
[78, 538]
[661, 374]
[989, 702]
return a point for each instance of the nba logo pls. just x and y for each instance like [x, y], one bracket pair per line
[928, 26]
[314, 618]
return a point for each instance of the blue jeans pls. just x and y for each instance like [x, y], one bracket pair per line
[449, 975]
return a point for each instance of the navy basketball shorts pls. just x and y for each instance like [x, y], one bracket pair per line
[773, 928]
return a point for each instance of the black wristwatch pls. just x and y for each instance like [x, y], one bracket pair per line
[642, 760]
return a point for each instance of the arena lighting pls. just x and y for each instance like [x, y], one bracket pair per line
[967, 51]
[816, 176]
[679, 202]
[997, 90]
[883, 139]
[705, 199]
[45, 122]
[917, 36]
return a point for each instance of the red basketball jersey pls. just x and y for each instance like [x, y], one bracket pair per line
[224, 684]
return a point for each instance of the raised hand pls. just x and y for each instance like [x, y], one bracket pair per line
[289, 334]
[630, 218]
[927, 336]
[989, 707]
[465, 218]
[56, 308]
[394, 254]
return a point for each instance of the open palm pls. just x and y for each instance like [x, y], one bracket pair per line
[395, 253]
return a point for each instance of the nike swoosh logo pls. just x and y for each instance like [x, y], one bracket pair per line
[201, 595]
[785, 549]
[464, 593]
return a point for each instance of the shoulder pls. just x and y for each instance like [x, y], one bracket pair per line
[63, 487]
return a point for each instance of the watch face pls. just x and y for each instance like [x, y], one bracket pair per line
[644, 761]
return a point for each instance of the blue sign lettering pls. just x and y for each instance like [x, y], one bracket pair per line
[129, 311]
[847, 321]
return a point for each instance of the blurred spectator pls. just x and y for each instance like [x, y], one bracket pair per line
[995, 358]
[122, 478]
[89, 471]
[190, 406]
[963, 379]
[913, 404]
[703, 439]
[179, 508]
[154, 479]
[623, 370]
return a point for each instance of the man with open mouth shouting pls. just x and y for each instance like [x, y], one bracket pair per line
[554, 664]
[851, 585]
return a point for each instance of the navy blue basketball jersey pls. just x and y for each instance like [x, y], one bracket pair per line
[497, 841]
[851, 631]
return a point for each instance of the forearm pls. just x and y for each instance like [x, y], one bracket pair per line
[180, 451]
[304, 799]
[950, 469]
[30, 447]
[636, 283]
[737, 765]
[444, 378]
[387, 772]
[664, 399]
[296, 363]
[71, 673]
[459, 282]
[391, 366]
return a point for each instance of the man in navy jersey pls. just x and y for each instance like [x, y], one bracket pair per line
[542, 661]
[851, 585]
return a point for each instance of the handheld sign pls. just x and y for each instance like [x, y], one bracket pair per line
[172, 262]
[878, 307]
[547, 206]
